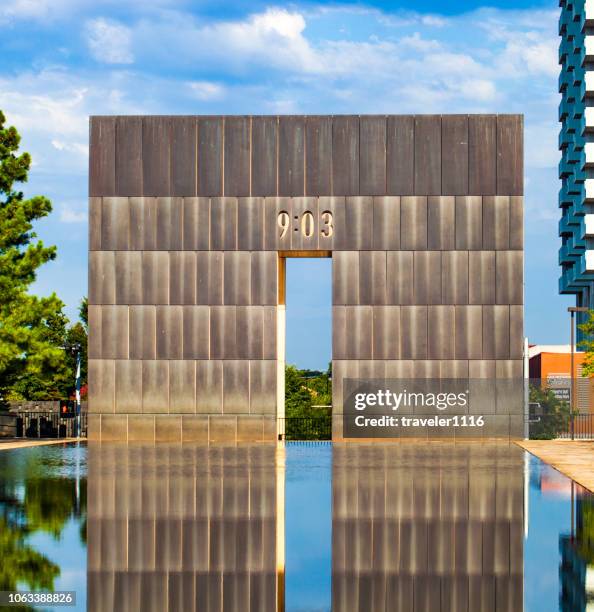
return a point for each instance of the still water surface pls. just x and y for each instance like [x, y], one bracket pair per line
[305, 528]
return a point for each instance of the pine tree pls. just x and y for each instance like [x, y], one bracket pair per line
[30, 326]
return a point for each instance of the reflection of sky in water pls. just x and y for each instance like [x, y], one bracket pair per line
[28, 480]
[308, 525]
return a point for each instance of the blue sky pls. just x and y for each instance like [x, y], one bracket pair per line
[63, 60]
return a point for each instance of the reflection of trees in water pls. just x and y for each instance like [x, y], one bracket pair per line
[30, 503]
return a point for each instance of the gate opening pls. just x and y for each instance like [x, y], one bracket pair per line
[305, 346]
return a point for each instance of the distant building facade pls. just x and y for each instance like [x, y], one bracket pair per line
[576, 142]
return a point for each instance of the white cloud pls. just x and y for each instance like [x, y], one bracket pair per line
[73, 212]
[205, 90]
[109, 42]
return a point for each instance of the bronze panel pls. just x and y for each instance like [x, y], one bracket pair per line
[372, 277]
[102, 132]
[250, 232]
[236, 383]
[332, 222]
[196, 224]
[210, 156]
[169, 332]
[223, 224]
[454, 368]
[454, 277]
[427, 277]
[413, 223]
[183, 156]
[441, 214]
[237, 277]
[496, 332]
[128, 277]
[318, 156]
[169, 224]
[237, 156]
[339, 332]
[304, 226]
[386, 223]
[182, 277]
[400, 155]
[143, 332]
[95, 205]
[101, 277]
[510, 159]
[155, 386]
[101, 385]
[509, 277]
[359, 222]
[345, 155]
[156, 143]
[516, 222]
[223, 342]
[440, 327]
[269, 332]
[128, 386]
[400, 285]
[277, 236]
[209, 387]
[469, 223]
[291, 162]
[413, 332]
[345, 277]
[155, 277]
[264, 155]
[263, 386]
[481, 277]
[249, 332]
[182, 386]
[427, 166]
[209, 277]
[496, 222]
[386, 332]
[128, 156]
[468, 332]
[481, 369]
[115, 224]
[114, 332]
[143, 224]
[196, 332]
[94, 336]
[516, 332]
[264, 277]
[454, 150]
[359, 337]
[482, 154]
[372, 160]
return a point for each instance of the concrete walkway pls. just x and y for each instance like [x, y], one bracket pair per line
[8, 443]
[574, 458]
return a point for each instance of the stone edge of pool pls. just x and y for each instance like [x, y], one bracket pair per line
[573, 458]
[10, 444]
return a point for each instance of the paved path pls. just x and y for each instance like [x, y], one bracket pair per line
[572, 458]
[8, 443]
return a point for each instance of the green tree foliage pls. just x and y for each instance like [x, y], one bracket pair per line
[303, 390]
[33, 363]
[555, 414]
[587, 345]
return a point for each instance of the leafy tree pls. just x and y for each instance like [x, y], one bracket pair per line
[30, 326]
[588, 344]
[555, 414]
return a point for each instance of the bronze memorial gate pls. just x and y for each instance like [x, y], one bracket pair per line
[191, 219]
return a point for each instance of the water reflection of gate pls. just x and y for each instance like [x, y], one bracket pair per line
[183, 528]
[434, 527]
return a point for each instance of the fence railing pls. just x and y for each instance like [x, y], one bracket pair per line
[306, 428]
[36, 424]
[583, 428]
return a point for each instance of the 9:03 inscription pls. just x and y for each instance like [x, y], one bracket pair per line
[306, 224]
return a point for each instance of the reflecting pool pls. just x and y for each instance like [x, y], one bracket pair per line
[303, 527]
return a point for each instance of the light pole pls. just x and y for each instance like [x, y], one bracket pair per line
[572, 310]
